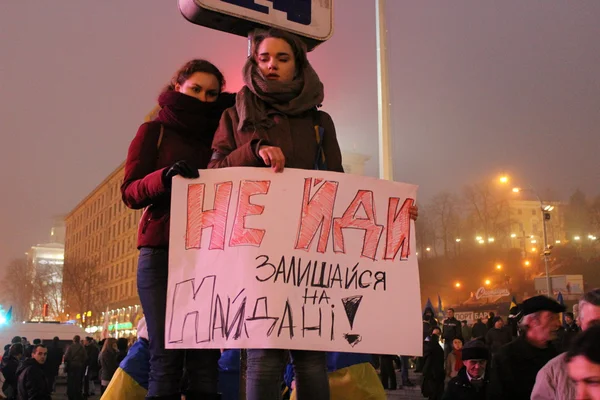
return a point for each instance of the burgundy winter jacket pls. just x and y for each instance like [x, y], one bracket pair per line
[188, 129]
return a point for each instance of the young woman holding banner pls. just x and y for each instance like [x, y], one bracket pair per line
[275, 123]
[177, 142]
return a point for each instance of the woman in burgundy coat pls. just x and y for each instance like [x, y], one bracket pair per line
[177, 142]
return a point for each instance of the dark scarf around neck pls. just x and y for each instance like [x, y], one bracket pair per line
[304, 93]
[190, 115]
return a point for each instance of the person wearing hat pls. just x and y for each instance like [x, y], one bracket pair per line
[553, 381]
[515, 366]
[471, 382]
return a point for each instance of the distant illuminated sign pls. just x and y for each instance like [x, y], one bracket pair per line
[483, 293]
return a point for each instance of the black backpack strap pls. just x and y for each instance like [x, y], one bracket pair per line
[320, 160]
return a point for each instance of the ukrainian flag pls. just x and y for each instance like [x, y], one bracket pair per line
[131, 379]
[352, 377]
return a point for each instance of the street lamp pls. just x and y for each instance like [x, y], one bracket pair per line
[457, 285]
[576, 238]
[457, 240]
[499, 266]
[527, 263]
[503, 179]
[487, 282]
[546, 208]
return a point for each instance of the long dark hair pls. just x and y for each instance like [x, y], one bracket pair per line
[297, 45]
[190, 68]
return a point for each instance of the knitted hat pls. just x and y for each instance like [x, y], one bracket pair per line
[475, 350]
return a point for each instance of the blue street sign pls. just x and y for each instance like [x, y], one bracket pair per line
[310, 19]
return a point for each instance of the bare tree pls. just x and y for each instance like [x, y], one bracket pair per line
[595, 214]
[425, 233]
[78, 287]
[487, 209]
[17, 289]
[443, 211]
[47, 289]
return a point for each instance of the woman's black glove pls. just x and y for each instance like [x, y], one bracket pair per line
[180, 168]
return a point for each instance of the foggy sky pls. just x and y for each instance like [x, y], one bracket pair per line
[478, 88]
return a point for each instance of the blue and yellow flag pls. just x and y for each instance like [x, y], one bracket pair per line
[513, 303]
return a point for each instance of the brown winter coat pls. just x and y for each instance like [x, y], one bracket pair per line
[295, 135]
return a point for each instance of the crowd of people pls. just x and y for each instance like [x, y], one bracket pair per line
[541, 359]
[30, 371]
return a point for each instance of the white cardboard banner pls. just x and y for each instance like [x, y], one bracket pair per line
[310, 260]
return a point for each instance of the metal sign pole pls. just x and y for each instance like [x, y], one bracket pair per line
[383, 96]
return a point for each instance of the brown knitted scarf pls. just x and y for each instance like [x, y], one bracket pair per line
[259, 95]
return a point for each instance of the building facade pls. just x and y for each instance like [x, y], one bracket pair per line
[101, 256]
[527, 229]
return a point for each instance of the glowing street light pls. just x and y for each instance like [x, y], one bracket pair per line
[557, 242]
[457, 240]
[533, 249]
[576, 238]
[487, 282]
[516, 190]
[481, 241]
[533, 241]
[513, 235]
[527, 263]
[499, 266]
[503, 179]
[478, 238]
[491, 240]
[428, 249]
[457, 285]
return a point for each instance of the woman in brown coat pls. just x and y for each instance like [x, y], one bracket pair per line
[276, 123]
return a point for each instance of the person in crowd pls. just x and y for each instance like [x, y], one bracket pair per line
[432, 386]
[108, 362]
[490, 321]
[388, 374]
[552, 381]
[571, 330]
[512, 323]
[479, 330]
[53, 362]
[130, 380]
[498, 336]
[92, 366]
[404, 369]
[276, 123]
[32, 383]
[454, 361]
[515, 366]
[122, 347]
[429, 322]
[451, 330]
[75, 361]
[176, 143]
[583, 364]
[16, 339]
[9, 367]
[467, 331]
[472, 381]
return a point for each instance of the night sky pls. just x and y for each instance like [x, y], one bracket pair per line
[478, 88]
